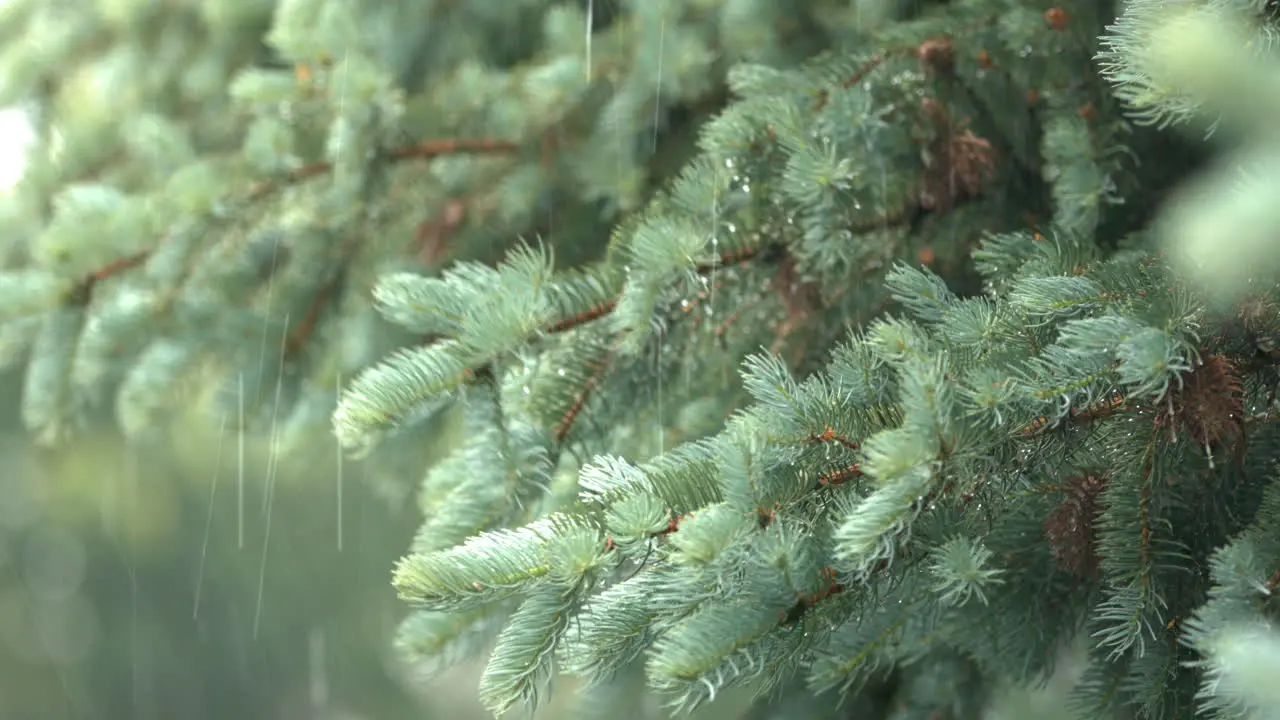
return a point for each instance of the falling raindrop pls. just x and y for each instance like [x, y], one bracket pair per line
[657, 100]
[591, 7]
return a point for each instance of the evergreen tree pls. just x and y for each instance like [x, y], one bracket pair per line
[887, 381]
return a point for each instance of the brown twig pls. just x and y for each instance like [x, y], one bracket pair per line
[582, 318]
[302, 332]
[1097, 411]
[566, 423]
[608, 306]
[422, 150]
[431, 238]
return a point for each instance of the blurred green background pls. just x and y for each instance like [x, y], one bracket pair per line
[127, 591]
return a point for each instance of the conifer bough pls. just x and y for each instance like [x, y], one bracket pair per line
[965, 484]
[890, 391]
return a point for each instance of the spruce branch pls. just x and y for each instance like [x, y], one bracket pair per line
[655, 474]
[423, 150]
[471, 298]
